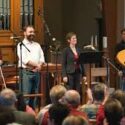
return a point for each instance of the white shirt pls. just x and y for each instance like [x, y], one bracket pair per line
[36, 53]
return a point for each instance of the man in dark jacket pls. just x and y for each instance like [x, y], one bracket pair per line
[119, 47]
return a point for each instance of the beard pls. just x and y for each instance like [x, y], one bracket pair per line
[30, 37]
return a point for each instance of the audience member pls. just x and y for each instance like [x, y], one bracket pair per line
[72, 99]
[100, 113]
[95, 99]
[9, 100]
[74, 120]
[57, 113]
[120, 95]
[113, 111]
[6, 114]
[56, 93]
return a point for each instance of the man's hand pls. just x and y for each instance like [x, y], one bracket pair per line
[84, 78]
[1, 62]
[65, 79]
[37, 68]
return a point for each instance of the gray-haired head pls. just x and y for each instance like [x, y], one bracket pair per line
[72, 97]
[9, 95]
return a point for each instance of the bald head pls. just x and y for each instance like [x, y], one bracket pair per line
[72, 98]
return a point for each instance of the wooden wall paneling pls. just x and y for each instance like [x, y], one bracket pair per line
[110, 17]
[7, 53]
[39, 21]
[16, 16]
[5, 34]
[6, 44]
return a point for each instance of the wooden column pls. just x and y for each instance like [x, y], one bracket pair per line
[110, 22]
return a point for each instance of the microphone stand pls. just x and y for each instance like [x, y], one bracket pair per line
[57, 55]
[16, 41]
[21, 73]
[47, 31]
[109, 63]
[108, 71]
[56, 77]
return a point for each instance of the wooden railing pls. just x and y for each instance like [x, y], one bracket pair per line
[10, 73]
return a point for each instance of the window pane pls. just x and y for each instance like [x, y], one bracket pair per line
[27, 12]
[4, 14]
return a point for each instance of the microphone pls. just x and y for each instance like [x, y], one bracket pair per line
[15, 37]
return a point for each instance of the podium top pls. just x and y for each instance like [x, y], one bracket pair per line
[90, 57]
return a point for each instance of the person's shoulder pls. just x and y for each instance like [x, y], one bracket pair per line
[44, 109]
[22, 41]
[120, 43]
[85, 106]
[25, 115]
[88, 106]
[19, 44]
[34, 42]
[66, 49]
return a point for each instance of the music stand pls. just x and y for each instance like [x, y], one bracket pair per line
[90, 57]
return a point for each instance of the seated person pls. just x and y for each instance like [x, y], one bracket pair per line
[57, 113]
[95, 99]
[6, 114]
[9, 100]
[120, 96]
[113, 111]
[56, 93]
[72, 100]
[75, 120]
